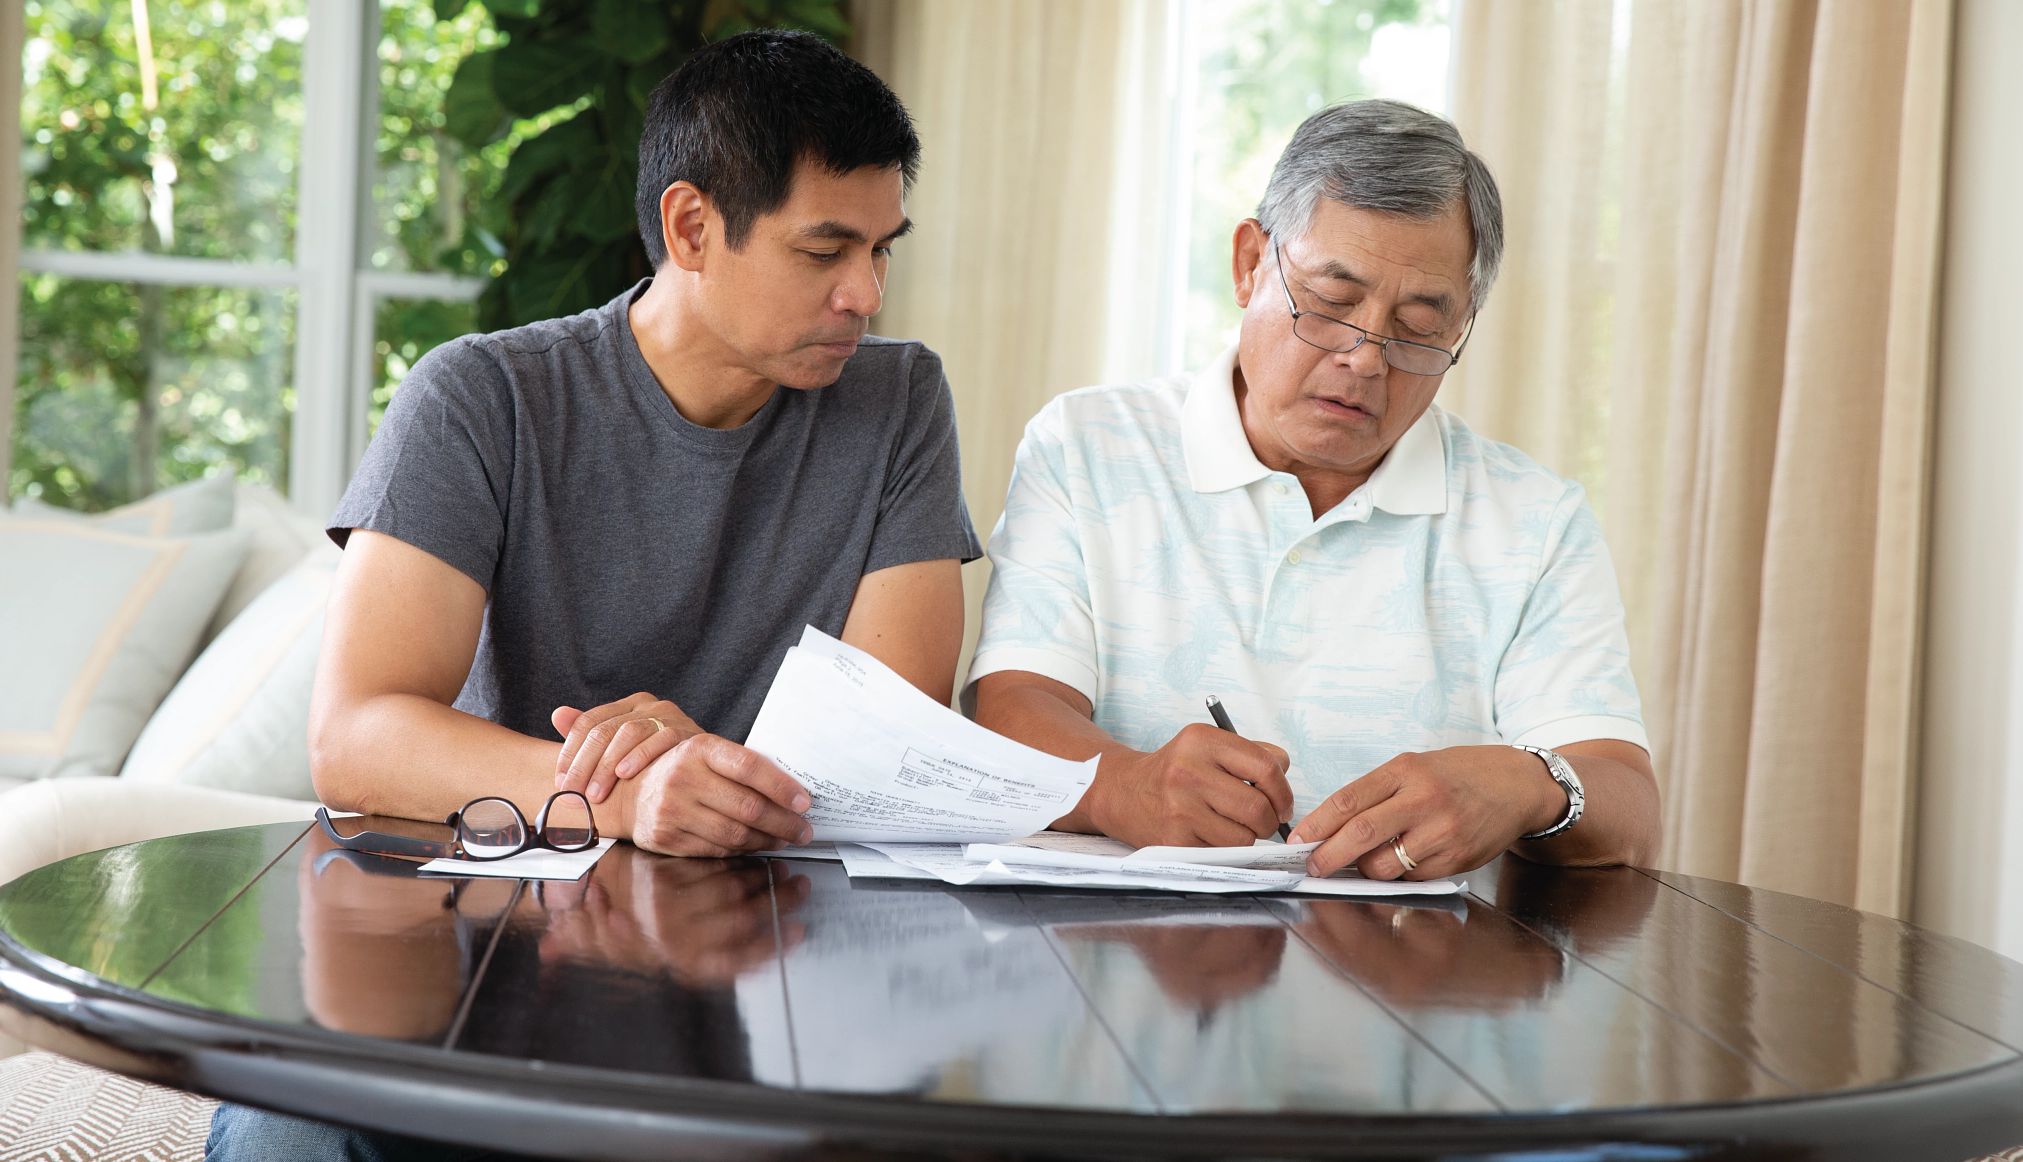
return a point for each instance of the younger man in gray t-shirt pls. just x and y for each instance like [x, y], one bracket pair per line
[608, 528]
[577, 551]
[624, 547]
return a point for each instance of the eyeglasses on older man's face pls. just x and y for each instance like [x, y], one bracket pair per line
[1331, 334]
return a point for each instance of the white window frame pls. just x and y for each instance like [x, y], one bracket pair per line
[337, 295]
[1177, 201]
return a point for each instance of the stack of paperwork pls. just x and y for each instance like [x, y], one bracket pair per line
[902, 787]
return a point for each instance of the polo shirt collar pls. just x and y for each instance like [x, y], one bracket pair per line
[1412, 480]
[1211, 433]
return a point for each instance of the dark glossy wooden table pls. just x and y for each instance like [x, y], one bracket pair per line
[750, 1009]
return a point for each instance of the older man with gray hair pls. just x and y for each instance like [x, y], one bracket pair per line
[1416, 631]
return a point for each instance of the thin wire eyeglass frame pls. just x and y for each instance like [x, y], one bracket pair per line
[1392, 349]
[537, 836]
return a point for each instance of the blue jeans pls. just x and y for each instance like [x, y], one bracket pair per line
[245, 1134]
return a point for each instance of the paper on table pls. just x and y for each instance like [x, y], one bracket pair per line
[538, 864]
[1016, 856]
[953, 863]
[883, 761]
[945, 862]
[1341, 884]
[868, 863]
[1269, 855]
[1262, 854]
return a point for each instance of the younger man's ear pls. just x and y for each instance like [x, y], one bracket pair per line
[684, 225]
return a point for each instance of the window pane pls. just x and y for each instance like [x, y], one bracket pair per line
[1263, 66]
[403, 331]
[176, 135]
[434, 197]
[124, 388]
[427, 185]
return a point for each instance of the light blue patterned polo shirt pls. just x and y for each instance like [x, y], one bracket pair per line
[1146, 558]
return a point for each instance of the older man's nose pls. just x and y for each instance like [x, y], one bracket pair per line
[1365, 360]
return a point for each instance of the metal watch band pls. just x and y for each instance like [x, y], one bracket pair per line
[1562, 773]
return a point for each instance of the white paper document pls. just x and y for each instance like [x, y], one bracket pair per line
[884, 762]
[981, 865]
[1066, 849]
[950, 863]
[537, 864]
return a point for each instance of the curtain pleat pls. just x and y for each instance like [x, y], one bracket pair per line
[1737, 309]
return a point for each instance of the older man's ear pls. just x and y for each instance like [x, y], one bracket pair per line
[1246, 248]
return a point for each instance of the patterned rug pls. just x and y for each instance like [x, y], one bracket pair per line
[53, 1109]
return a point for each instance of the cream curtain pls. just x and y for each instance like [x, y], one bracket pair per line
[1031, 115]
[1719, 311]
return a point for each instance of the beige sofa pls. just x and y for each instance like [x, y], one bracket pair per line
[157, 728]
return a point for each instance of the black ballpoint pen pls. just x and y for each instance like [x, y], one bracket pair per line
[1221, 718]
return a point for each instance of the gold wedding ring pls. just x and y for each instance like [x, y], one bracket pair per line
[1398, 849]
[658, 726]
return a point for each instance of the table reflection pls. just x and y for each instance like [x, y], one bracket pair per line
[788, 973]
[384, 951]
[1460, 955]
[701, 921]
[1201, 954]
[634, 966]
[1541, 991]
[1420, 956]
[1593, 910]
[904, 989]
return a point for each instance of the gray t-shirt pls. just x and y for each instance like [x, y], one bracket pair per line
[623, 548]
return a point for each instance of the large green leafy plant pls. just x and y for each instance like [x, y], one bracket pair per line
[563, 214]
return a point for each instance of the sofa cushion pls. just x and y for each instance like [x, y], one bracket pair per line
[238, 719]
[278, 537]
[278, 540]
[97, 625]
[201, 506]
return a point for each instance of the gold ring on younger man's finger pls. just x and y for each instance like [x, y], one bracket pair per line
[1398, 849]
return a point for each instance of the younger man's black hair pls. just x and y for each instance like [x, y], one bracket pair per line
[738, 114]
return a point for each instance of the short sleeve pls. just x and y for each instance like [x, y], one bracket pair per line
[1565, 676]
[1036, 614]
[438, 473]
[921, 512]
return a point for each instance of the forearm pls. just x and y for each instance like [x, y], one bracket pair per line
[1618, 826]
[410, 756]
[1047, 721]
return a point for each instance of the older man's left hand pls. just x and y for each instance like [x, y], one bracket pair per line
[1451, 810]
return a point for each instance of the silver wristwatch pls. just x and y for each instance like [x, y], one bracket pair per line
[1562, 773]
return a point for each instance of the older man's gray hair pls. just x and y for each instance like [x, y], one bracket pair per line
[1390, 157]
